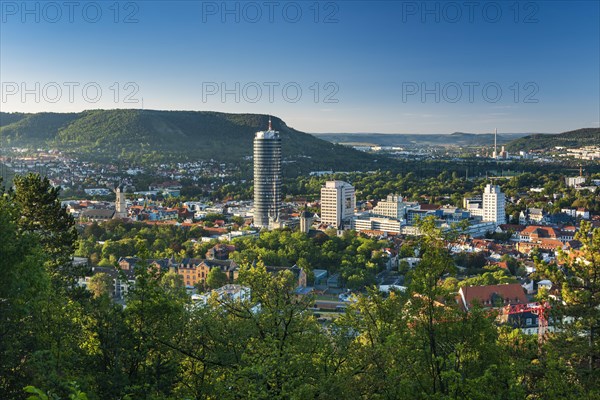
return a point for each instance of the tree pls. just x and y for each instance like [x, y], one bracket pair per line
[156, 317]
[23, 288]
[216, 278]
[237, 220]
[577, 342]
[41, 332]
[407, 250]
[284, 349]
[100, 284]
[43, 216]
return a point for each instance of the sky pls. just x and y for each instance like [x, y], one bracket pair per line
[321, 66]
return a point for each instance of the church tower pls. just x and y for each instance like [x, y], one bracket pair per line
[120, 204]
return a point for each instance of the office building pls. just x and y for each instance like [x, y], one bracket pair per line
[494, 205]
[338, 202]
[392, 207]
[267, 178]
[386, 225]
[474, 205]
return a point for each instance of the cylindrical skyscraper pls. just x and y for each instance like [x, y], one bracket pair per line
[267, 178]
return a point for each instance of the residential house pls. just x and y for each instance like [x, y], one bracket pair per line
[121, 281]
[531, 215]
[97, 214]
[220, 251]
[491, 296]
[194, 270]
[228, 292]
[128, 263]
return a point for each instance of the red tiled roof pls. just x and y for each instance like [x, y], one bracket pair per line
[502, 264]
[512, 227]
[372, 232]
[542, 231]
[215, 230]
[511, 293]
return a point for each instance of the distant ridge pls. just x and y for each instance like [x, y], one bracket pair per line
[156, 135]
[412, 139]
[576, 138]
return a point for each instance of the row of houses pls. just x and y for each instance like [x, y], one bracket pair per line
[545, 238]
[512, 304]
[539, 216]
[193, 271]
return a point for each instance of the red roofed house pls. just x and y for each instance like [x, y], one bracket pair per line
[429, 207]
[533, 233]
[215, 231]
[542, 244]
[567, 233]
[501, 264]
[491, 296]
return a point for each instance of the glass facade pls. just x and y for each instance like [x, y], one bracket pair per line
[267, 178]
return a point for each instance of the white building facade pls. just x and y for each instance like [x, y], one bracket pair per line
[494, 203]
[338, 201]
[392, 207]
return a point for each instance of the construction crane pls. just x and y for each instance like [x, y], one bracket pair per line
[538, 309]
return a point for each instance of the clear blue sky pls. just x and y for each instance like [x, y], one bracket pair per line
[374, 58]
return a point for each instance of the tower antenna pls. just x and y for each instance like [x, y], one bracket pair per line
[270, 123]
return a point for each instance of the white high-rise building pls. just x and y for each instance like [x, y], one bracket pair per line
[392, 207]
[494, 204]
[338, 202]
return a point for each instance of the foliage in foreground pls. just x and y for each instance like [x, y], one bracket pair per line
[60, 342]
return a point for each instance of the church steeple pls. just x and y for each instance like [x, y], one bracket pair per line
[120, 202]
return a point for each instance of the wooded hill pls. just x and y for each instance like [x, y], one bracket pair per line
[179, 135]
[576, 138]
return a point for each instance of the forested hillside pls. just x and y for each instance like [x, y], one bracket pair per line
[576, 138]
[181, 135]
[62, 341]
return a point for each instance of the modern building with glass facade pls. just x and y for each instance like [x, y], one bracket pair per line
[267, 178]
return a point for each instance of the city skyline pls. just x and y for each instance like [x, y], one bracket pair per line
[181, 234]
[336, 67]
